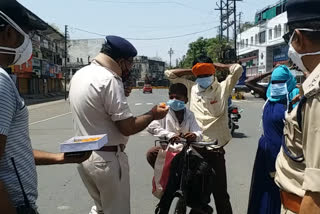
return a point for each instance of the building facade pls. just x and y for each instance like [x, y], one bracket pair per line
[262, 47]
[150, 71]
[82, 52]
[42, 74]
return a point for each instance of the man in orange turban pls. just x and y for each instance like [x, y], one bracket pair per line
[209, 103]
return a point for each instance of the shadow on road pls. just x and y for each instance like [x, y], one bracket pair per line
[239, 135]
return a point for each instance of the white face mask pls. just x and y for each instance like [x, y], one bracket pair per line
[295, 56]
[22, 53]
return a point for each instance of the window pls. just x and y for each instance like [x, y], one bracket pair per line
[275, 31]
[256, 39]
[286, 28]
[270, 34]
[279, 30]
[77, 59]
[262, 37]
[247, 42]
[251, 40]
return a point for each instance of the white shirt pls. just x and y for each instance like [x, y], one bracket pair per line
[97, 101]
[169, 126]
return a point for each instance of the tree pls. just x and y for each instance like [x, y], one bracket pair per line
[213, 47]
[246, 26]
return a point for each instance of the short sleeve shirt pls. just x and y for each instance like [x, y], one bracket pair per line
[14, 125]
[97, 101]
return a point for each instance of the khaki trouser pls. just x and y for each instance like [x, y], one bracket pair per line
[106, 177]
[286, 211]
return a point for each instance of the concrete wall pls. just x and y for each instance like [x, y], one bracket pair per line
[84, 48]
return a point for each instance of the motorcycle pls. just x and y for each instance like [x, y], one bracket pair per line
[234, 116]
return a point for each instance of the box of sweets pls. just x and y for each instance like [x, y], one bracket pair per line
[84, 143]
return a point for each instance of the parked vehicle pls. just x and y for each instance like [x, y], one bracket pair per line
[234, 116]
[147, 88]
[256, 95]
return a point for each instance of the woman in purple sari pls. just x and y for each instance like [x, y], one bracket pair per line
[264, 195]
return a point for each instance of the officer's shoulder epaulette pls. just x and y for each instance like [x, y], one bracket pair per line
[311, 85]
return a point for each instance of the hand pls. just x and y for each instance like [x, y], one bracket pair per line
[220, 66]
[190, 137]
[127, 91]
[159, 112]
[296, 99]
[65, 158]
[174, 139]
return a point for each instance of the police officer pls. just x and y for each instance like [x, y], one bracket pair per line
[298, 163]
[99, 105]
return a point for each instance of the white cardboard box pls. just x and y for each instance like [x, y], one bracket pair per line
[72, 145]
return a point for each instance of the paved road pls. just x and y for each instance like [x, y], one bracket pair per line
[62, 192]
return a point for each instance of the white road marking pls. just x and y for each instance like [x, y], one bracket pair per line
[51, 118]
[63, 207]
[138, 104]
[149, 104]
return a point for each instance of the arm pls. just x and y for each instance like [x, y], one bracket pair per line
[47, 158]
[156, 128]
[194, 128]
[253, 85]
[311, 135]
[177, 76]
[134, 125]
[116, 106]
[180, 72]
[229, 83]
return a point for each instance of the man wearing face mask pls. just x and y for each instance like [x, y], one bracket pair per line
[209, 103]
[298, 163]
[18, 194]
[99, 106]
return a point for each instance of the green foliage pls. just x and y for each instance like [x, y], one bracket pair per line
[212, 47]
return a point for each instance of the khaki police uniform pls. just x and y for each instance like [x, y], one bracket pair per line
[97, 101]
[303, 174]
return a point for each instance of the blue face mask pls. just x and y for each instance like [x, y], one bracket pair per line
[279, 89]
[176, 105]
[205, 82]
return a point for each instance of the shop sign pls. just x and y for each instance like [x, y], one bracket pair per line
[280, 53]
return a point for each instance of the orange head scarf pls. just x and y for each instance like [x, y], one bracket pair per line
[203, 69]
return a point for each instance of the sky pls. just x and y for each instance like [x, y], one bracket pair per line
[141, 19]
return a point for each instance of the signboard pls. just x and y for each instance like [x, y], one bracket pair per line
[36, 63]
[280, 53]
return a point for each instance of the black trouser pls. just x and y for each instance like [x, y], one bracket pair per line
[221, 197]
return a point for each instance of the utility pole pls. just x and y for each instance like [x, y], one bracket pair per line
[170, 52]
[235, 27]
[240, 15]
[228, 20]
[65, 60]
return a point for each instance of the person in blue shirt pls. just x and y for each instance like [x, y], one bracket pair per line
[264, 195]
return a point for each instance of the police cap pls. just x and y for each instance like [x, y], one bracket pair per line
[122, 46]
[302, 10]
